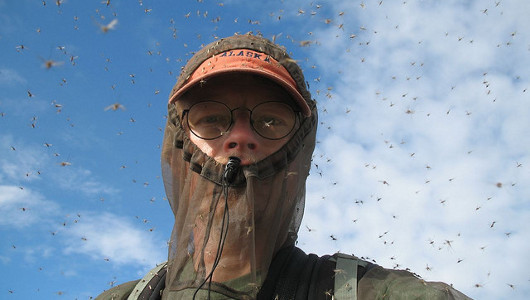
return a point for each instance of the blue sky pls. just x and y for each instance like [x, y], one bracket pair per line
[423, 146]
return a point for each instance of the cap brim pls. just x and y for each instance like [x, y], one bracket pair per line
[297, 97]
[244, 61]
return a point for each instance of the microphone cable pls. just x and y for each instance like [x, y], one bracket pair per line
[228, 178]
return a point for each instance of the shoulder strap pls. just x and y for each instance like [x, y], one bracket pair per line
[294, 275]
[119, 292]
[346, 276]
[151, 283]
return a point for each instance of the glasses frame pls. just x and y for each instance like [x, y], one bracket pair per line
[296, 114]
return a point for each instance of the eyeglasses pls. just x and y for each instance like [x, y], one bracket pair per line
[211, 119]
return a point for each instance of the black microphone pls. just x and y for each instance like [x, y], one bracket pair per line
[231, 169]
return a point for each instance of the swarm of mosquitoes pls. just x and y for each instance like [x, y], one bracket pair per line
[107, 26]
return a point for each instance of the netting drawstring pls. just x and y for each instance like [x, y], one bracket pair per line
[228, 177]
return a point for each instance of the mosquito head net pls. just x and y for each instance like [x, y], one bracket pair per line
[226, 235]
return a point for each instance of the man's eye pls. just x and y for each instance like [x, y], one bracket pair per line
[267, 122]
[212, 119]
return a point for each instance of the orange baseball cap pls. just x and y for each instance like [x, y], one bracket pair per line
[245, 61]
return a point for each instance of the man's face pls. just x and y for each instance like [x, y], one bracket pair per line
[237, 91]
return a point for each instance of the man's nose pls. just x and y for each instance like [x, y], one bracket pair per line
[241, 136]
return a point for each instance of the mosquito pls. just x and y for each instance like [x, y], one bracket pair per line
[49, 63]
[115, 107]
[110, 26]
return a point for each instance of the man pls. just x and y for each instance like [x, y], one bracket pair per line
[237, 151]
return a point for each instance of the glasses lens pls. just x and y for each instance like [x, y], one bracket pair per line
[273, 120]
[209, 120]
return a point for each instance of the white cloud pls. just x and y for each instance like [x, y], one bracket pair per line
[36, 253]
[22, 207]
[79, 179]
[434, 124]
[112, 237]
[18, 162]
[5, 259]
[10, 77]
[25, 163]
